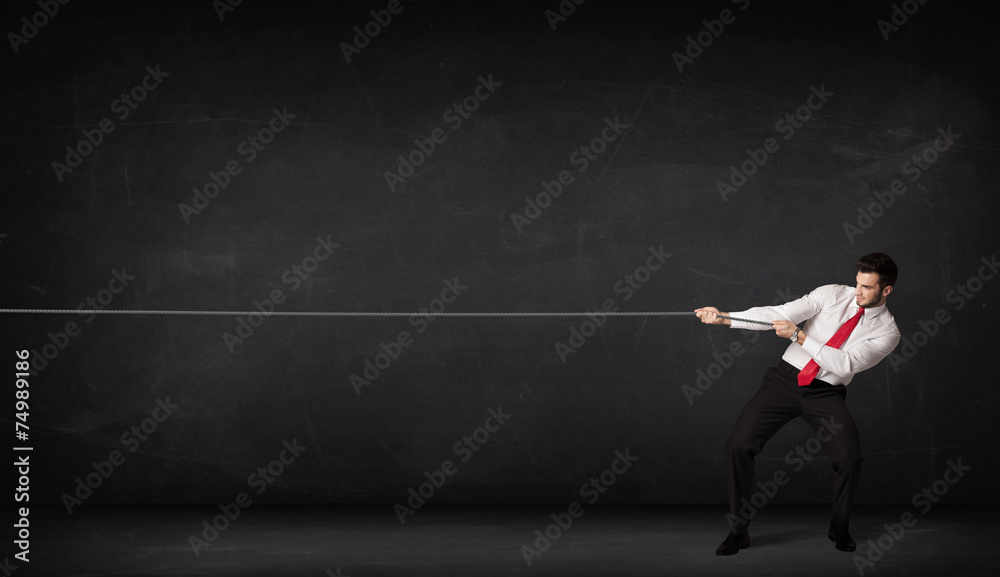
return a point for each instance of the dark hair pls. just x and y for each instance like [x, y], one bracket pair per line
[882, 264]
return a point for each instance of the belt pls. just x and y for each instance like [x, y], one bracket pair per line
[790, 370]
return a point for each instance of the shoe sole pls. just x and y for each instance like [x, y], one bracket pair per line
[847, 549]
[742, 546]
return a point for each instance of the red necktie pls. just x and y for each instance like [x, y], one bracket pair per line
[811, 369]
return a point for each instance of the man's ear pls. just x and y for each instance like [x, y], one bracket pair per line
[887, 290]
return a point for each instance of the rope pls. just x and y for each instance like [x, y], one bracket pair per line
[363, 314]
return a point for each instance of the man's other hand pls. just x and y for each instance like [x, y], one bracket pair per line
[784, 329]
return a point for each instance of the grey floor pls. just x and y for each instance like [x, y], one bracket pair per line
[609, 540]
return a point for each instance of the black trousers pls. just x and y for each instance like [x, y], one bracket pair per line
[779, 400]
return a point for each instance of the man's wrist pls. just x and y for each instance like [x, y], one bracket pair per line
[802, 337]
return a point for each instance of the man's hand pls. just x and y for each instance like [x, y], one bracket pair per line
[710, 316]
[785, 329]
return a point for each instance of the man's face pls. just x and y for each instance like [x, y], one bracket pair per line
[868, 293]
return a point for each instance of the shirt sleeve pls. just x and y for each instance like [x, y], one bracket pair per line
[796, 311]
[860, 357]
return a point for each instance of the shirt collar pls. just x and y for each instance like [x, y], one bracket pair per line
[872, 312]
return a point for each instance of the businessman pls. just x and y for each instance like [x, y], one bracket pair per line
[847, 330]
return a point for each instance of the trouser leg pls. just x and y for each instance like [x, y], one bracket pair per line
[768, 410]
[826, 412]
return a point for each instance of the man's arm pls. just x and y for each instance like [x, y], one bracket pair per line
[794, 312]
[862, 356]
[784, 329]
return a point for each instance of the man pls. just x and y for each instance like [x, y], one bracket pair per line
[846, 331]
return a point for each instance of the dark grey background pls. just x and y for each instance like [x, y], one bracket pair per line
[779, 236]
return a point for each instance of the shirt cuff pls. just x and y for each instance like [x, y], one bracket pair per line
[812, 346]
[744, 325]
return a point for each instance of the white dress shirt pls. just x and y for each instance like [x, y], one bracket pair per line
[827, 308]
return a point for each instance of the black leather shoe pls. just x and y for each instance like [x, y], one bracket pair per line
[845, 543]
[733, 544]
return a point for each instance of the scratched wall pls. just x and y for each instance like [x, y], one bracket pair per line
[436, 157]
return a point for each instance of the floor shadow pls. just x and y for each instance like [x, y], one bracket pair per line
[784, 537]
